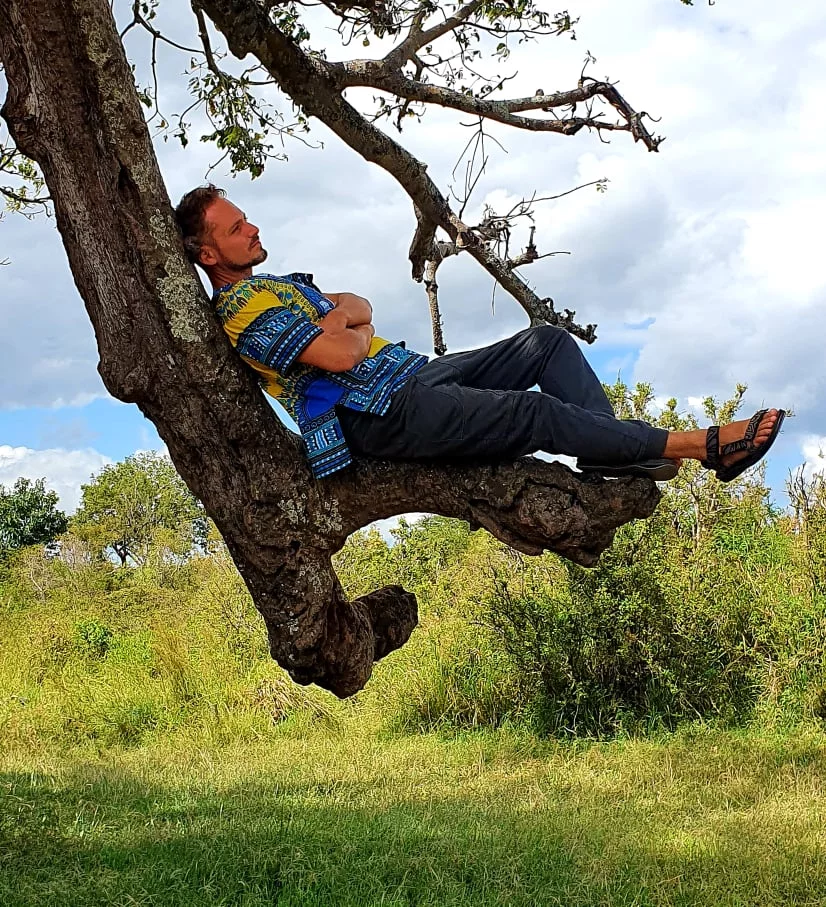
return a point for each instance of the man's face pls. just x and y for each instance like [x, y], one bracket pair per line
[232, 241]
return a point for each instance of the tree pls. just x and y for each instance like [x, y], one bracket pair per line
[29, 516]
[137, 503]
[72, 107]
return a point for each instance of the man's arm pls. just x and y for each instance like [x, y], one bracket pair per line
[347, 335]
[341, 346]
[277, 336]
[357, 309]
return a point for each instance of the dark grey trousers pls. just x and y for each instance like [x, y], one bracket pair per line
[477, 406]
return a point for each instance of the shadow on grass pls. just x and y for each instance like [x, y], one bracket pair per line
[112, 839]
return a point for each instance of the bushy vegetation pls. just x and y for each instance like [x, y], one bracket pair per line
[152, 753]
[713, 609]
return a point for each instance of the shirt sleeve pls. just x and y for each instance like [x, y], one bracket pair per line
[277, 338]
[308, 288]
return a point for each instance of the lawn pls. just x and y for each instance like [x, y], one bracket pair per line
[337, 815]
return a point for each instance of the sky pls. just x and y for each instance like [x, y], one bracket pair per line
[701, 264]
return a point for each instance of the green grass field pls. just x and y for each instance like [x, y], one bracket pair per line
[152, 754]
[337, 815]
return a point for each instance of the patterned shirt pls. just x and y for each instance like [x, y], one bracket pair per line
[270, 321]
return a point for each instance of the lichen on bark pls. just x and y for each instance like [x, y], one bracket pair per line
[179, 290]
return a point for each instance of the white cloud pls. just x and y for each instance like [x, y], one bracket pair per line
[47, 352]
[712, 245]
[813, 449]
[64, 470]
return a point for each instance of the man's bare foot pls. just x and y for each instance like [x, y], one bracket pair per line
[734, 431]
[692, 444]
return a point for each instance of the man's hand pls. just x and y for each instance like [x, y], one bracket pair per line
[344, 344]
[356, 308]
[367, 331]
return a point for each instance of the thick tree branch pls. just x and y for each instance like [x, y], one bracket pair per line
[421, 248]
[528, 503]
[375, 74]
[417, 37]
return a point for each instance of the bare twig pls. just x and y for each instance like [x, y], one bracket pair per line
[138, 19]
[24, 200]
[432, 290]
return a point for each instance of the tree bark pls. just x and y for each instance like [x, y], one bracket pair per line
[72, 107]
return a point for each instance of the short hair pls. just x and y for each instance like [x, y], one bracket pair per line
[190, 217]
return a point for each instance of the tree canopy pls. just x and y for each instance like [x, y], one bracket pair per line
[29, 515]
[73, 108]
[129, 506]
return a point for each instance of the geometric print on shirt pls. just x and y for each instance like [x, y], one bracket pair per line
[270, 320]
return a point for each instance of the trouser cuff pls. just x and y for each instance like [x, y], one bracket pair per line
[656, 443]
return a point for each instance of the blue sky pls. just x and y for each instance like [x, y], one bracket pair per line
[701, 264]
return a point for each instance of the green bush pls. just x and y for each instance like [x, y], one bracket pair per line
[614, 649]
[93, 638]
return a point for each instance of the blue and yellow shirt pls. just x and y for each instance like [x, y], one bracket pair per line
[270, 321]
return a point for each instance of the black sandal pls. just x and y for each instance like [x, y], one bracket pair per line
[756, 452]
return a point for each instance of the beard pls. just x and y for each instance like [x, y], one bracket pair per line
[255, 258]
[258, 257]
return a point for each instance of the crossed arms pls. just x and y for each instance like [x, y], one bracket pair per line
[348, 332]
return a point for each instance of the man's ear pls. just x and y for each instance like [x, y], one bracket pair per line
[207, 256]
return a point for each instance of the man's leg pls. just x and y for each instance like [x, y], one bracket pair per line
[545, 356]
[435, 418]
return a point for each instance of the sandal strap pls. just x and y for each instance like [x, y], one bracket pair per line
[747, 441]
[754, 424]
[712, 460]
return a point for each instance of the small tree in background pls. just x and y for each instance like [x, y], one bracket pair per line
[28, 516]
[136, 504]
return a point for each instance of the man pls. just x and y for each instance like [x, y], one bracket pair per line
[351, 392]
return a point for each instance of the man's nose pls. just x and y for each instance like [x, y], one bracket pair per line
[252, 229]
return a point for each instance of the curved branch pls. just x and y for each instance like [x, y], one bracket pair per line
[422, 245]
[531, 504]
[311, 83]
[373, 74]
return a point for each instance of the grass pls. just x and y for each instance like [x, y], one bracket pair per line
[340, 815]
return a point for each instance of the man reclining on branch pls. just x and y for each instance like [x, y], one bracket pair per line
[350, 392]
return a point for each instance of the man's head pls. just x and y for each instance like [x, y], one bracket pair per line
[218, 236]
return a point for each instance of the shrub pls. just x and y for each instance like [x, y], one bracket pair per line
[93, 638]
[460, 682]
[612, 650]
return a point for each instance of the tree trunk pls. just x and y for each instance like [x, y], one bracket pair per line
[72, 107]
